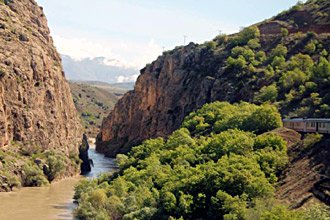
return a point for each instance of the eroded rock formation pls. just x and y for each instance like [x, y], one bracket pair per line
[85, 166]
[36, 106]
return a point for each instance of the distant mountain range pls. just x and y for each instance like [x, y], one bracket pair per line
[98, 69]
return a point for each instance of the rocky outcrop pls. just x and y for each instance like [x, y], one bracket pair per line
[85, 166]
[36, 106]
[174, 85]
[166, 91]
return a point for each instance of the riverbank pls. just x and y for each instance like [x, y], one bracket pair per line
[51, 202]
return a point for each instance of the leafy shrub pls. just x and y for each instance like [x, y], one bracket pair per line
[285, 32]
[10, 180]
[311, 139]
[271, 154]
[221, 39]
[33, 175]
[237, 64]
[303, 62]
[247, 53]
[280, 212]
[298, 6]
[231, 141]
[261, 56]
[55, 164]
[267, 94]
[245, 35]
[228, 206]
[263, 119]
[84, 186]
[279, 51]
[211, 45]
[220, 117]
[310, 48]
[144, 213]
[74, 157]
[29, 150]
[317, 212]
[293, 78]
[278, 62]
[322, 69]
[254, 44]
[266, 209]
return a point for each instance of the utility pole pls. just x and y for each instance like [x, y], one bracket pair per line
[184, 39]
[163, 49]
[220, 32]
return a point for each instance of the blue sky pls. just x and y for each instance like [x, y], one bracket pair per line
[134, 32]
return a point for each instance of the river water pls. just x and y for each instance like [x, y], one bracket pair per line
[53, 202]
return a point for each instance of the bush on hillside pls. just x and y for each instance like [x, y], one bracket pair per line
[267, 94]
[55, 164]
[33, 175]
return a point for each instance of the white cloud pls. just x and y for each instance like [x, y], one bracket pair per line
[128, 41]
[122, 79]
[117, 53]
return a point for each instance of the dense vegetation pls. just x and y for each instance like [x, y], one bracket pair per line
[32, 166]
[294, 74]
[290, 69]
[220, 165]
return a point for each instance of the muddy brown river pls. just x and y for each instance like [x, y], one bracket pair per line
[53, 202]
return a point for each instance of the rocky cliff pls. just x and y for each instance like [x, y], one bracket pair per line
[36, 107]
[229, 68]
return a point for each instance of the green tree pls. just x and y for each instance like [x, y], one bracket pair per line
[285, 32]
[239, 176]
[302, 62]
[293, 78]
[279, 51]
[254, 44]
[231, 141]
[267, 94]
[322, 69]
[236, 64]
[246, 35]
[168, 202]
[278, 62]
[263, 119]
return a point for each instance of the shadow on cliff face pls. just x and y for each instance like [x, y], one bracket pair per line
[85, 166]
[320, 162]
[308, 174]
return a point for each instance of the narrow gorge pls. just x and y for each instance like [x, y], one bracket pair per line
[235, 128]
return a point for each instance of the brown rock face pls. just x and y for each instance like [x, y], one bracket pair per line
[36, 106]
[166, 91]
